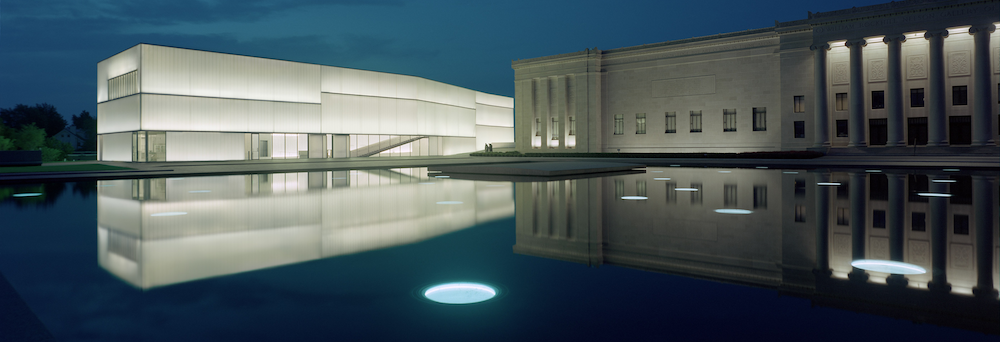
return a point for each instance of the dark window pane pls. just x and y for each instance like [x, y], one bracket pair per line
[917, 97]
[878, 219]
[878, 99]
[961, 225]
[918, 222]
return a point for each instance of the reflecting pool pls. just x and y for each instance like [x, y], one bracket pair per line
[663, 253]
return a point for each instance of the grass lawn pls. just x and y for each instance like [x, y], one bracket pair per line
[61, 168]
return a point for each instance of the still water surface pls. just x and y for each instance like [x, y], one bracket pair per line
[696, 254]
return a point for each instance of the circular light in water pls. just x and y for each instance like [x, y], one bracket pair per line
[661, 178]
[791, 172]
[442, 176]
[951, 170]
[932, 194]
[725, 172]
[828, 183]
[873, 171]
[762, 167]
[894, 267]
[634, 197]
[656, 171]
[675, 165]
[943, 181]
[460, 293]
[170, 213]
[450, 202]
[686, 189]
[28, 194]
[733, 211]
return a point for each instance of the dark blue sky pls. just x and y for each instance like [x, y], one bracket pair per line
[49, 49]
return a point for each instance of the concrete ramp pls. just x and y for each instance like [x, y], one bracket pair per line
[382, 146]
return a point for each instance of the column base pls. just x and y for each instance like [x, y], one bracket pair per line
[991, 294]
[897, 280]
[858, 275]
[939, 287]
[983, 143]
[822, 273]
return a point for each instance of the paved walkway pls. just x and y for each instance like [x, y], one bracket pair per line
[176, 169]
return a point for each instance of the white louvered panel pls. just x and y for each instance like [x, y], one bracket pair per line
[118, 115]
[116, 65]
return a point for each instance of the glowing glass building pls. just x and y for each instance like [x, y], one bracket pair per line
[159, 103]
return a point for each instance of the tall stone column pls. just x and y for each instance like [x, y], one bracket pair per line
[858, 222]
[982, 89]
[894, 91]
[822, 194]
[936, 118]
[982, 205]
[895, 218]
[856, 94]
[821, 116]
[938, 221]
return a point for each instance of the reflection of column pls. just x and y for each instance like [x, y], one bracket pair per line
[822, 225]
[856, 94]
[935, 89]
[894, 221]
[982, 121]
[821, 119]
[938, 221]
[982, 204]
[858, 236]
[894, 91]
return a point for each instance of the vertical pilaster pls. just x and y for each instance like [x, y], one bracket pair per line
[983, 207]
[821, 116]
[938, 222]
[982, 93]
[894, 91]
[936, 117]
[858, 222]
[856, 94]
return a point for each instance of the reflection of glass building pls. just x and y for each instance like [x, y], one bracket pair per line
[800, 238]
[158, 103]
[156, 232]
[905, 73]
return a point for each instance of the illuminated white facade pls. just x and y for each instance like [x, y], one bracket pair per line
[158, 103]
[871, 79]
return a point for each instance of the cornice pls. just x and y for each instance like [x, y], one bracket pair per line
[680, 51]
[887, 10]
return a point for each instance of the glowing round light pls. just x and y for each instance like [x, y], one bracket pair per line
[943, 181]
[873, 171]
[932, 194]
[170, 213]
[460, 293]
[428, 171]
[28, 194]
[733, 211]
[686, 189]
[828, 184]
[442, 176]
[450, 202]
[725, 172]
[661, 178]
[791, 172]
[675, 165]
[634, 198]
[893, 267]
[656, 171]
[199, 191]
[951, 170]
[762, 167]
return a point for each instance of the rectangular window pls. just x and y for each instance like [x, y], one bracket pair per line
[800, 213]
[959, 95]
[729, 195]
[619, 124]
[878, 187]
[960, 130]
[572, 125]
[671, 122]
[729, 120]
[918, 222]
[878, 219]
[877, 131]
[799, 104]
[760, 196]
[800, 188]
[843, 217]
[554, 129]
[878, 99]
[841, 101]
[538, 127]
[800, 129]
[760, 118]
[961, 226]
[695, 121]
[265, 150]
[917, 97]
[640, 123]
[916, 130]
[841, 128]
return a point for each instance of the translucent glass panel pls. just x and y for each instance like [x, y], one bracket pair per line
[455, 145]
[494, 100]
[116, 65]
[116, 147]
[377, 115]
[120, 115]
[124, 85]
[370, 83]
[167, 70]
[184, 113]
[492, 134]
[204, 146]
[494, 116]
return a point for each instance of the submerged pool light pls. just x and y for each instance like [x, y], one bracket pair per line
[170, 213]
[662, 178]
[450, 202]
[686, 189]
[887, 266]
[733, 211]
[460, 293]
[28, 194]
[442, 176]
[635, 198]
[828, 184]
[932, 194]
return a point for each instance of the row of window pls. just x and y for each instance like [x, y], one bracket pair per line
[959, 97]
[670, 120]
[123, 85]
[729, 193]
[554, 127]
[918, 221]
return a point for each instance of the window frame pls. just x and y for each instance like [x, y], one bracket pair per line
[729, 120]
[759, 119]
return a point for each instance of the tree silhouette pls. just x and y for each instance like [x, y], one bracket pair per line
[88, 125]
[43, 115]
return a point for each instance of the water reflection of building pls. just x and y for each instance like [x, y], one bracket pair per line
[155, 232]
[799, 239]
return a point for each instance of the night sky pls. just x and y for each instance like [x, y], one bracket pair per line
[49, 49]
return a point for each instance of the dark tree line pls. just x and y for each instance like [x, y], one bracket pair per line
[34, 127]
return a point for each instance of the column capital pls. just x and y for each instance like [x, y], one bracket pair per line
[982, 28]
[936, 33]
[890, 38]
[860, 42]
[820, 46]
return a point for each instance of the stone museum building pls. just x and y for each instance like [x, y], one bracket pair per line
[878, 79]
[158, 103]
